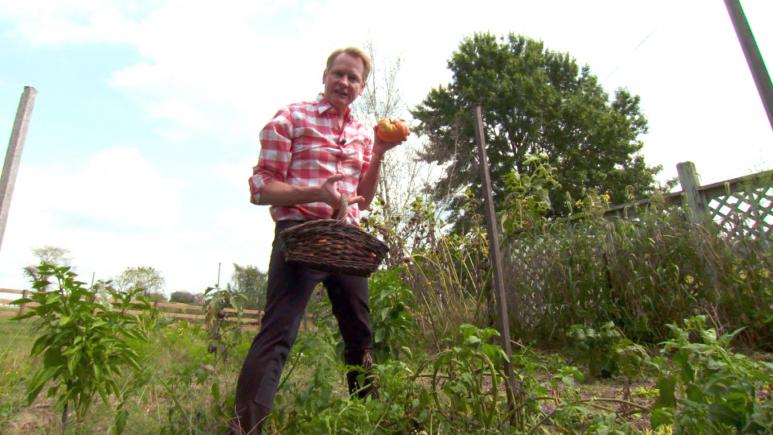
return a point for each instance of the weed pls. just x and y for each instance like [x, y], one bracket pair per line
[710, 389]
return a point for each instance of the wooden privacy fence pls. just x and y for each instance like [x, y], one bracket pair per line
[741, 207]
[250, 319]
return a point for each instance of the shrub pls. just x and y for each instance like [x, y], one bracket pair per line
[85, 343]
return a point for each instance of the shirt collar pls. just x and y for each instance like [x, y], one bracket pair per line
[323, 106]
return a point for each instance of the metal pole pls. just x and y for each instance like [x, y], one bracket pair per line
[513, 395]
[753, 55]
[13, 155]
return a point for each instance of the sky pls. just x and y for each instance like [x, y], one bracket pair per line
[144, 129]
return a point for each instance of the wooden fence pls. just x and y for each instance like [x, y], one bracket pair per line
[740, 207]
[250, 319]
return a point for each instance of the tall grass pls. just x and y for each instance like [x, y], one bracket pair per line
[451, 281]
[641, 274]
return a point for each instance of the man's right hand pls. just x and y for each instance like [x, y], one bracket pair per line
[329, 193]
[333, 198]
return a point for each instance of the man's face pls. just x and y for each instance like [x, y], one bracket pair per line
[343, 81]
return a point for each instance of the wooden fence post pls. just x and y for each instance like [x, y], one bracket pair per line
[698, 214]
[24, 294]
[688, 178]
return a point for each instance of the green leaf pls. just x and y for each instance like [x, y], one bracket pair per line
[53, 358]
[38, 381]
[694, 393]
[120, 421]
[666, 385]
[20, 301]
[662, 417]
[40, 344]
[25, 315]
[73, 362]
[472, 341]
[723, 414]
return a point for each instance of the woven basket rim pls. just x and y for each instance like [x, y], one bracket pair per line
[332, 245]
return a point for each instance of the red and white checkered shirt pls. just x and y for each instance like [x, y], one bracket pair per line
[302, 145]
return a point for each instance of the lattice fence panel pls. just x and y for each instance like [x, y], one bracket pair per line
[744, 213]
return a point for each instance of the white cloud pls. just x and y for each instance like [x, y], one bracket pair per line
[236, 173]
[212, 65]
[59, 22]
[119, 187]
[246, 234]
[115, 208]
[182, 114]
[118, 210]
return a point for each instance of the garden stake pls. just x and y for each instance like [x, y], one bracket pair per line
[515, 392]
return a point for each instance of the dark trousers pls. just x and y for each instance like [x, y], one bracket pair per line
[289, 289]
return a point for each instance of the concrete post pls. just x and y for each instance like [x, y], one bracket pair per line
[13, 155]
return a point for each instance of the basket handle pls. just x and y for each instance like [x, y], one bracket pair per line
[343, 206]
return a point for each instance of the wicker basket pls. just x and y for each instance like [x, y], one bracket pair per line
[332, 245]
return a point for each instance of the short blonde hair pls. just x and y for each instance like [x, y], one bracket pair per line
[351, 51]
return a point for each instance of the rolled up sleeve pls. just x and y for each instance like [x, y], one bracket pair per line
[275, 154]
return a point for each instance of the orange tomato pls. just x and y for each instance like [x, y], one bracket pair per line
[392, 130]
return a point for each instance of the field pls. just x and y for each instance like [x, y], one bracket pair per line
[183, 388]
[649, 326]
[177, 396]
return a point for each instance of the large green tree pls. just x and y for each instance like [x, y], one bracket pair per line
[534, 101]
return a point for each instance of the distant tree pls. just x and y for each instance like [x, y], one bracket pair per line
[403, 175]
[155, 296]
[52, 255]
[182, 297]
[251, 282]
[145, 277]
[534, 101]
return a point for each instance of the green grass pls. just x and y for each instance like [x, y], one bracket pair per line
[16, 339]
[173, 395]
[185, 389]
[10, 327]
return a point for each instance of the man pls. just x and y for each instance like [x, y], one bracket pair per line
[314, 156]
